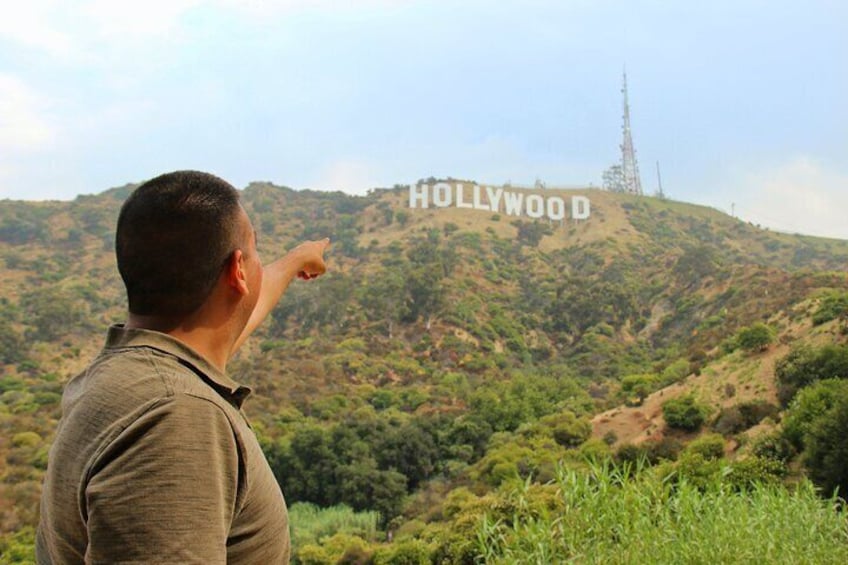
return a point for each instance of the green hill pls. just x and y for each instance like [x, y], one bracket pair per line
[449, 351]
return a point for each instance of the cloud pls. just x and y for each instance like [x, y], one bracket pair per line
[24, 123]
[348, 175]
[29, 24]
[799, 196]
[267, 8]
[87, 32]
[136, 20]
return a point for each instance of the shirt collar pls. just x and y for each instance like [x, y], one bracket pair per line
[119, 336]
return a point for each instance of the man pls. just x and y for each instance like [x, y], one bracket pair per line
[154, 460]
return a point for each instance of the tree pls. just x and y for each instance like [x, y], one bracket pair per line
[408, 449]
[810, 405]
[13, 348]
[639, 386]
[468, 436]
[805, 365]
[695, 264]
[53, 312]
[567, 429]
[306, 470]
[826, 452]
[531, 233]
[613, 179]
[321, 304]
[425, 294]
[383, 298]
[363, 486]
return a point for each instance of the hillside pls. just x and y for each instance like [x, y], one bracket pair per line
[448, 350]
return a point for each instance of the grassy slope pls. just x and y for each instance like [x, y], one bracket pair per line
[749, 275]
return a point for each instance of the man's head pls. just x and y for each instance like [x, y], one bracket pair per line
[175, 234]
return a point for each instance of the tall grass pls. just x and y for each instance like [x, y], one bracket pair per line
[311, 524]
[615, 516]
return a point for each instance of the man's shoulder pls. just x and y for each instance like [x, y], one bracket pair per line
[123, 379]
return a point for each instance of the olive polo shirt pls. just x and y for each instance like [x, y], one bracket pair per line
[155, 462]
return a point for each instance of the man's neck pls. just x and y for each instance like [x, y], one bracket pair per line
[212, 342]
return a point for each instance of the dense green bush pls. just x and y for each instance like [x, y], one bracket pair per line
[18, 547]
[13, 347]
[406, 552]
[810, 404]
[53, 312]
[567, 429]
[826, 451]
[756, 337]
[773, 446]
[833, 305]
[684, 413]
[804, 365]
[367, 465]
[710, 446]
[817, 424]
[638, 387]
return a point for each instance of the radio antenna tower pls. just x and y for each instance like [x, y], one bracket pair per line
[629, 166]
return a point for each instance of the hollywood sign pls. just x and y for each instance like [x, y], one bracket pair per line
[513, 203]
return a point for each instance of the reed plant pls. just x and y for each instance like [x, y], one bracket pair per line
[623, 515]
[311, 524]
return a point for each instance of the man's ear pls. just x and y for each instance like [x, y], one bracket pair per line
[236, 273]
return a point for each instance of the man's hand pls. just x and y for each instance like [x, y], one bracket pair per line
[306, 261]
[311, 257]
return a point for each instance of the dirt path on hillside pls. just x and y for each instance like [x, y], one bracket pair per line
[749, 377]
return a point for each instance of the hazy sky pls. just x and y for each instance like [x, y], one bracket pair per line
[742, 102]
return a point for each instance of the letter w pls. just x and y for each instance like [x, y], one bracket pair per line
[512, 202]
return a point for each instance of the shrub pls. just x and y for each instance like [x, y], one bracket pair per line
[805, 365]
[684, 413]
[755, 338]
[817, 424]
[832, 306]
[710, 446]
[773, 446]
[743, 416]
[26, 439]
[745, 474]
[729, 421]
[18, 547]
[665, 449]
[13, 347]
[640, 386]
[406, 552]
[630, 453]
[567, 429]
[809, 405]
[675, 372]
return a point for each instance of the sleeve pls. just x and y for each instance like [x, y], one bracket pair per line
[165, 490]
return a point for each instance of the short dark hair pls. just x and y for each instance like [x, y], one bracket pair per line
[175, 233]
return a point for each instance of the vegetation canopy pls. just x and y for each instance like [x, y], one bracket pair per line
[468, 386]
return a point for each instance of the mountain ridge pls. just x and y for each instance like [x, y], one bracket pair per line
[474, 332]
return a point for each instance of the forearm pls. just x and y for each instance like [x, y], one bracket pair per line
[276, 278]
[305, 261]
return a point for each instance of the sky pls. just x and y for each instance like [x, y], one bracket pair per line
[742, 105]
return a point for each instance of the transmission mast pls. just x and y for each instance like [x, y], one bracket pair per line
[629, 166]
